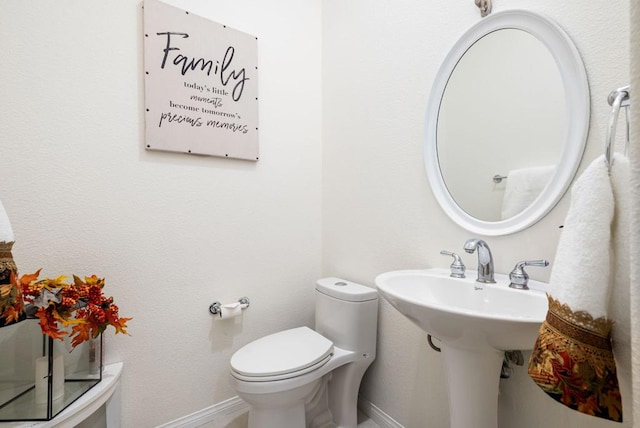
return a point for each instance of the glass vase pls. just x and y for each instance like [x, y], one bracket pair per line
[40, 376]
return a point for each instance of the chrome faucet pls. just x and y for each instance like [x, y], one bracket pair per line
[485, 259]
[518, 277]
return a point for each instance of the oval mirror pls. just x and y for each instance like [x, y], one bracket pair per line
[506, 123]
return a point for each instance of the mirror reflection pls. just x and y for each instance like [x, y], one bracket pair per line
[502, 124]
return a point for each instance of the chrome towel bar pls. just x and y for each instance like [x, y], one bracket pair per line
[617, 99]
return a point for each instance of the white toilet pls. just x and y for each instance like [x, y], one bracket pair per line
[302, 378]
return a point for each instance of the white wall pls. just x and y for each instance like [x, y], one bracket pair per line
[379, 61]
[171, 233]
[634, 155]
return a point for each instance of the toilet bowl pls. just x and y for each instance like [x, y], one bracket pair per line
[304, 378]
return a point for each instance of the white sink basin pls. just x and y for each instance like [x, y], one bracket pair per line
[476, 323]
[466, 313]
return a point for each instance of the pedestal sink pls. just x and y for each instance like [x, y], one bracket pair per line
[475, 323]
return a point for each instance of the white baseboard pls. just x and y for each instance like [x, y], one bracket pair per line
[228, 409]
[376, 414]
[235, 406]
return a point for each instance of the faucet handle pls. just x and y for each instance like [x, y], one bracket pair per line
[457, 267]
[519, 278]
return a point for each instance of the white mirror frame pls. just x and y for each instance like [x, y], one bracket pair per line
[577, 104]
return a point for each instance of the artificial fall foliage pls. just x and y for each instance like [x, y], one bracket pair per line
[11, 305]
[80, 305]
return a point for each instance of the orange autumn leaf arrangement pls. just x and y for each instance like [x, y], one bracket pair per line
[80, 305]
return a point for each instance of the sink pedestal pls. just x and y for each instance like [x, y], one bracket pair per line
[473, 321]
[473, 378]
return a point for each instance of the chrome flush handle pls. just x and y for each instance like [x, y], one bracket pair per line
[457, 267]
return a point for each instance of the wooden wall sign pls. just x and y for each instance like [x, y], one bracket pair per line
[201, 85]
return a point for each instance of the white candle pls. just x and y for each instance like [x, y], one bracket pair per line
[42, 378]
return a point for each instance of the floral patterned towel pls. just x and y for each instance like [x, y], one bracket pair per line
[572, 361]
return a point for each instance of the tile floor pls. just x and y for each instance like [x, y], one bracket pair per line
[241, 422]
[365, 422]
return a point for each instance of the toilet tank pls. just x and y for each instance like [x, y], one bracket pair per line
[347, 314]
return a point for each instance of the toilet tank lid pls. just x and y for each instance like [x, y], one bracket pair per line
[346, 290]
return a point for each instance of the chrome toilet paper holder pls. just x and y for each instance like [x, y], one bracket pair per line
[216, 307]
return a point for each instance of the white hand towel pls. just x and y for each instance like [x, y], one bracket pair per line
[6, 232]
[523, 187]
[580, 275]
[619, 306]
[572, 359]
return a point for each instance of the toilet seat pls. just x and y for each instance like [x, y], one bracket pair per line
[281, 355]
